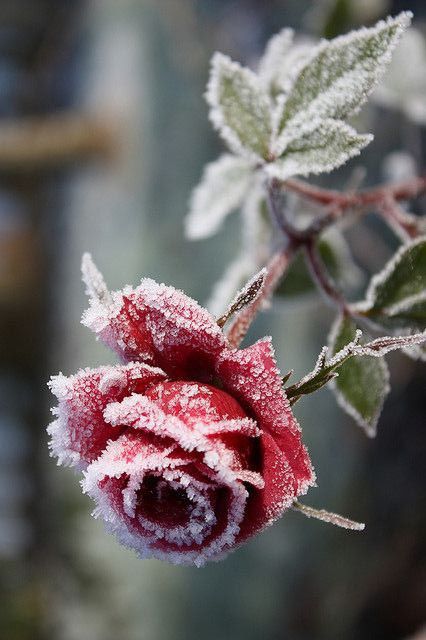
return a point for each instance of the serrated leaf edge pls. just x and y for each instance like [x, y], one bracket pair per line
[403, 20]
[379, 278]
[221, 61]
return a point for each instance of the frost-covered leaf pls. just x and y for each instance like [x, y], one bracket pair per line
[276, 52]
[240, 108]
[335, 254]
[319, 146]
[247, 295]
[253, 253]
[233, 278]
[345, 344]
[396, 296]
[342, 72]
[363, 383]
[282, 61]
[222, 189]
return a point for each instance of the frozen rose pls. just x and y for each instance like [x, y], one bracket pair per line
[189, 447]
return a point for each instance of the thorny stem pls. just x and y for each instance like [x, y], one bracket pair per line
[385, 199]
[307, 239]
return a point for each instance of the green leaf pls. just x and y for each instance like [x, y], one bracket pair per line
[362, 384]
[222, 189]
[342, 73]
[346, 336]
[240, 108]
[396, 296]
[318, 147]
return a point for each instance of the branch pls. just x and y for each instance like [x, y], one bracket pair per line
[322, 279]
[401, 191]
[46, 142]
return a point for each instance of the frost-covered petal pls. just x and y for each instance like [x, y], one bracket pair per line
[267, 503]
[79, 433]
[253, 377]
[159, 325]
[200, 420]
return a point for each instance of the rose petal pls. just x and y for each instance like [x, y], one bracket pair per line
[79, 433]
[205, 528]
[267, 504]
[253, 377]
[159, 325]
[223, 453]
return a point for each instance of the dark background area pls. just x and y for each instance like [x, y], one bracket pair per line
[103, 134]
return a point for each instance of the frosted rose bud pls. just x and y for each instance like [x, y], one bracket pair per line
[189, 447]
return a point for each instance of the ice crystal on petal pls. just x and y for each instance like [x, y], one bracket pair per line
[252, 374]
[156, 324]
[79, 432]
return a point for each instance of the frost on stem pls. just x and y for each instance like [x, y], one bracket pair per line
[328, 516]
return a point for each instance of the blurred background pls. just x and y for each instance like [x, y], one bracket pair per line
[103, 134]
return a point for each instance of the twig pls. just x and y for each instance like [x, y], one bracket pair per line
[405, 224]
[322, 278]
[401, 191]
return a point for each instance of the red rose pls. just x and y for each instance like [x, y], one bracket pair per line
[190, 447]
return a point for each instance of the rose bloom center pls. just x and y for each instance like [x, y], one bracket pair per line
[195, 404]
